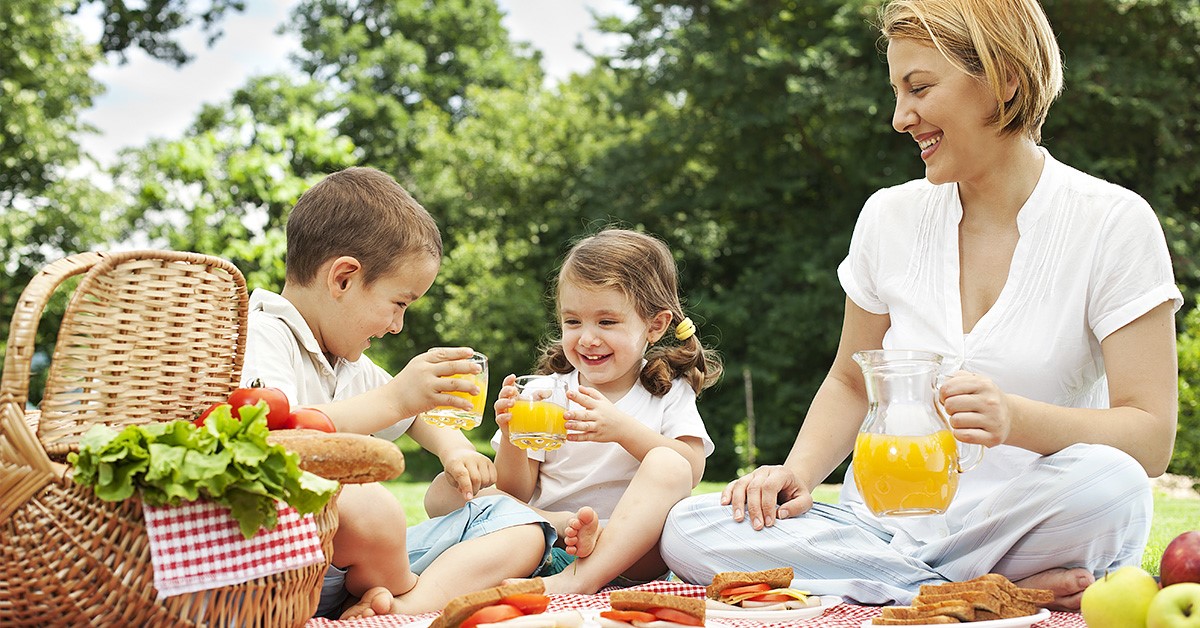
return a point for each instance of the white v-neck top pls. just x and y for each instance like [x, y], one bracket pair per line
[1090, 259]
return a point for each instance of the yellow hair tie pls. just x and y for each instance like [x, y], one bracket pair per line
[685, 329]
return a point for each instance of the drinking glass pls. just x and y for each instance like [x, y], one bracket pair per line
[457, 418]
[537, 415]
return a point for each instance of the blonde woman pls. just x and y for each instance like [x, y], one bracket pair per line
[1051, 295]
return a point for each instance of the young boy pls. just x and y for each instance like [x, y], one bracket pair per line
[360, 250]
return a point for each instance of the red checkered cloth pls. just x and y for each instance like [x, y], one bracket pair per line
[199, 546]
[839, 616]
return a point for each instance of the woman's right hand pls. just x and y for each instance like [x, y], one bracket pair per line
[758, 495]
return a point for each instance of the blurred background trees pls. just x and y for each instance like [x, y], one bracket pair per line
[746, 133]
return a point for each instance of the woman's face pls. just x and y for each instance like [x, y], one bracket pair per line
[945, 111]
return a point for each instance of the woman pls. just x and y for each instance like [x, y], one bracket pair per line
[1051, 297]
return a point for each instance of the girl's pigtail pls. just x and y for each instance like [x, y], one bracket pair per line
[688, 359]
[553, 359]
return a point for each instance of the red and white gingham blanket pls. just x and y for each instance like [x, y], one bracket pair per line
[198, 545]
[839, 616]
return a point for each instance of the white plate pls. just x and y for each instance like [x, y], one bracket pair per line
[1015, 622]
[792, 614]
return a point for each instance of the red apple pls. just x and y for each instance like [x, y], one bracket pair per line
[1181, 559]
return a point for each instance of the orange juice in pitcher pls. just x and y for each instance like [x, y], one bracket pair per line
[906, 460]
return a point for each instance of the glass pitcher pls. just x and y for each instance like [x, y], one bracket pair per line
[906, 460]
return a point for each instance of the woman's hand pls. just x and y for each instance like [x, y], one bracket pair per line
[758, 494]
[599, 421]
[978, 409]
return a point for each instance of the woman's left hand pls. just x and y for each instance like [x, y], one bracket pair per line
[598, 421]
[978, 409]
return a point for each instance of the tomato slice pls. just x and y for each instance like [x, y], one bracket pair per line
[528, 603]
[746, 588]
[491, 615]
[628, 616]
[679, 617]
[773, 597]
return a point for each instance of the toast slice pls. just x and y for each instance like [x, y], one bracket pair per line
[630, 600]
[889, 621]
[778, 578]
[463, 606]
[958, 609]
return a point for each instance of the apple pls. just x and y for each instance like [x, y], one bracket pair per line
[1181, 560]
[1120, 599]
[1176, 606]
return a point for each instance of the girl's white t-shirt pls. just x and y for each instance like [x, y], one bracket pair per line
[1091, 258]
[596, 474]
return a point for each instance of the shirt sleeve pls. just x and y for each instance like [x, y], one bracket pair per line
[857, 271]
[1132, 273]
[682, 418]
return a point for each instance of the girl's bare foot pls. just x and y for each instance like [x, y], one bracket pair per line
[582, 532]
[376, 601]
[1067, 585]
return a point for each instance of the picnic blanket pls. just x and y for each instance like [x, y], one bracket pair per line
[839, 616]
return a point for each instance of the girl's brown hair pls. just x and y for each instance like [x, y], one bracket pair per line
[641, 267]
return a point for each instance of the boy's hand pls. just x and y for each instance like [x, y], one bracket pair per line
[468, 470]
[425, 382]
[505, 400]
[599, 421]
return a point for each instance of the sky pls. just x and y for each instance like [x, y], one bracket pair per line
[147, 98]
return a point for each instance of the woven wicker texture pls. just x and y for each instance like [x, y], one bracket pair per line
[147, 336]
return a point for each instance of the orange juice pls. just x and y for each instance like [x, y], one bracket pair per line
[906, 475]
[450, 416]
[537, 425]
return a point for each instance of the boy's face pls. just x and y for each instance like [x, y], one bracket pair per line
[365, 312]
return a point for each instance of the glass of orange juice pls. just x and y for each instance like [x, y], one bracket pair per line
[457, 418]
[537, 414]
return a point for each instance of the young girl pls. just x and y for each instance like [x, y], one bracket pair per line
[636, 443]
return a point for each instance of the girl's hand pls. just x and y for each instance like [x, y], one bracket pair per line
[505, 400]
[599, 421]
[759, 493]
[978, 409]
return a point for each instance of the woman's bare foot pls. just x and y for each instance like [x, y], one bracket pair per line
[376, 601]
[582, 532]
[1066, 584]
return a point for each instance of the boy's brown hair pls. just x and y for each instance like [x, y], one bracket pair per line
[362, 213]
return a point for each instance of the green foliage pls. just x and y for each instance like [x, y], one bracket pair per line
[1186, 460]
[151, 25]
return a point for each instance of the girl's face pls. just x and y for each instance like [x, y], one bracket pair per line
[945, 111]
[604, 338]
[366, 312]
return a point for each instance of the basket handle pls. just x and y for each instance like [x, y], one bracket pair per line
[24, 465]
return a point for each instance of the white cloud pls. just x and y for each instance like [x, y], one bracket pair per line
[148, 98]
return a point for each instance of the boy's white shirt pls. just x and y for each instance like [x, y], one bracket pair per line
[597, 474]
[279, 335]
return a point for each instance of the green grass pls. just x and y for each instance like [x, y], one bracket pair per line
[1171, 515]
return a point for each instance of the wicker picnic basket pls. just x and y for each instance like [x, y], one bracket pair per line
[147, 336]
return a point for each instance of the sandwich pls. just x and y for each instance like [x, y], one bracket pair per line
[644, 609]
[518, 605]
[757, 590]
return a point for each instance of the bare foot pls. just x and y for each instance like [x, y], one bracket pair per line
[582, 532]
[376, 601]
[1067, 585]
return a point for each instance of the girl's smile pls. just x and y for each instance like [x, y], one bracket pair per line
[603, 337]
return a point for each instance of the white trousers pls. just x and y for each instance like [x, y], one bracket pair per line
[1086, 506]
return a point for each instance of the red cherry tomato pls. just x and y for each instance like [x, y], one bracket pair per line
[311, 419]
[491, 615]
[628, 616]
[679, 617]
[746, 588]
[199, 420]
[528, 603]
[277, 402]
[772, 597]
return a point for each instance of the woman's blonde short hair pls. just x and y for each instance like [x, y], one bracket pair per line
[992, 40]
